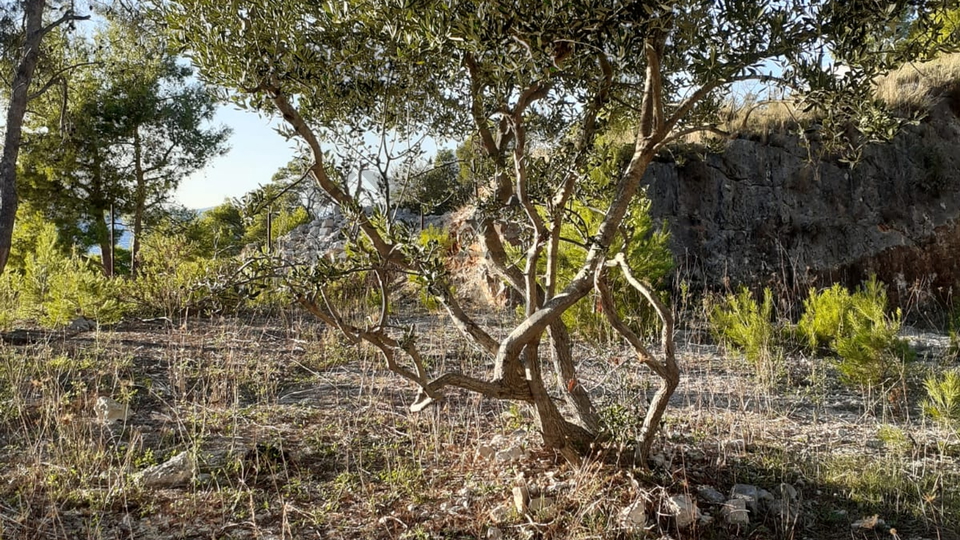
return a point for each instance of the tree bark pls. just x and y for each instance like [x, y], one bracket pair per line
[33, 15]
[140, 203]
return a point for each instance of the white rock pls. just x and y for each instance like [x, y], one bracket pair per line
[634, 516]
[683, 510]
[521, 498]
[176, 471]
[788, 492]
[110, 410]
[710, 494]
[513, 453]
[765, 497]
[735, 512]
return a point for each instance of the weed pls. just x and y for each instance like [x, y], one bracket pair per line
[857, 328]
[894, 439]
[943, 397]
[954, 332]
[748, 327]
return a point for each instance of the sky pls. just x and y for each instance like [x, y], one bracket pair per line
[256, 152]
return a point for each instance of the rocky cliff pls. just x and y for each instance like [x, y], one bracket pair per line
[764, 211]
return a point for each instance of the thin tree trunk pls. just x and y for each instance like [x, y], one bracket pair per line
[33, 15]
[140, 203]
[576, 396]
[106, 244]
[112, 269]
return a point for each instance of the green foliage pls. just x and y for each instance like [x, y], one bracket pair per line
[438, 189]
[647, 252]
[274, 204]
[175, 280]
[54, 288]
[9, 299]
[219, 231]
[858, 329]
[943, 397]
[133, 124]
[741, 323]
[823, 315]
[78, 288]
[438, 242]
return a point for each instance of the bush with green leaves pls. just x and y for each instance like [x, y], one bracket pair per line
[739, 322]
[943, 397]
[647, 252]
[858, 329]
[54, 288]
[439, 241]
[174, 280]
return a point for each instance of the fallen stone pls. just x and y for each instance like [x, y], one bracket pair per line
[735, 512]
[682, 509]
[521, 498]
[176, 471]
[486, 451]
[513, 453]
[634, 517]
[750, 494]
[710, 495]
[82, 324]
[110, 410]
[765, 498]
[501, 513]
[788, 492]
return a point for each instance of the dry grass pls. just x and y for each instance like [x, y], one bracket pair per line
[917, 87]
[298, 435]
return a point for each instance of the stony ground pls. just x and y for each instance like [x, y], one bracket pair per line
[273, 428]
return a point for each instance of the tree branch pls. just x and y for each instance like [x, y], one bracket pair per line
[66, 17]
[56, 78]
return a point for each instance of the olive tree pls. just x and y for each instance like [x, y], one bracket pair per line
[521, 77]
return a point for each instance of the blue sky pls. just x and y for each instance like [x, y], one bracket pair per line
[256, 152]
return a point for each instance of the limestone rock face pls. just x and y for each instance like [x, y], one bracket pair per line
[770, 210]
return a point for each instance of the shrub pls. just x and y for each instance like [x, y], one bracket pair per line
[823, 315]
[436, 240]
[9, 299]
[80, 289]
[648, 254]
[173, 280]
[858, 329]
[54, 288]
[741, 323]
[943, 397]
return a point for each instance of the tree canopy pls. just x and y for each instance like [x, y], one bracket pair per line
[120, 138]
[535, 83]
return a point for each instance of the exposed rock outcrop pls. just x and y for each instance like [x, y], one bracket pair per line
[764, 211]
